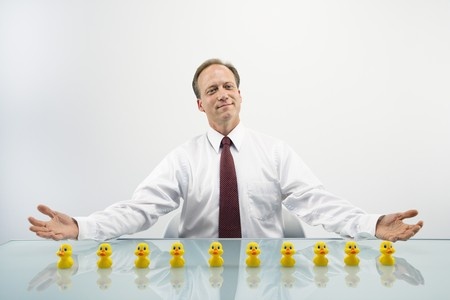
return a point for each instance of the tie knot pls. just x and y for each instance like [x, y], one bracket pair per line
[226, 141]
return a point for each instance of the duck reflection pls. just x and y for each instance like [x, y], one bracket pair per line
[177, 278]
[320, 276]
[104, 281]
[216, 278]
[64, 278]
[352, 279]
[402, 270]
[287, 277]
[253, 279]
[141, 281]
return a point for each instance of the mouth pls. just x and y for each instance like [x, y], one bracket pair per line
[224, 105]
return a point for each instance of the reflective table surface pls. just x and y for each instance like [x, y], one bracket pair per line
[28, 271]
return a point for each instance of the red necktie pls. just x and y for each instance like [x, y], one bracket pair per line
[229, 218]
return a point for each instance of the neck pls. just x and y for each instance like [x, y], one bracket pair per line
[225, 128]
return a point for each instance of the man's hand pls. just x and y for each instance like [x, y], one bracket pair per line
[59, 227]
[391, 227]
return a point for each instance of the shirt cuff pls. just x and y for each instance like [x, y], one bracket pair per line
[87, 228]
[367, 225]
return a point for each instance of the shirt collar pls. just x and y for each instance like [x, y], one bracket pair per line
[236, 135]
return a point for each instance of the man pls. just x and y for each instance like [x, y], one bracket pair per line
[269, 174]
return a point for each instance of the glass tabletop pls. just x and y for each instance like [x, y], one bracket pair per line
[29, 271]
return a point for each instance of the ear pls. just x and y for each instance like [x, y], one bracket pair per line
[200, 105]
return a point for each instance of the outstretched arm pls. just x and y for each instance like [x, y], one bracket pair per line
[392, 228]
[59, 227]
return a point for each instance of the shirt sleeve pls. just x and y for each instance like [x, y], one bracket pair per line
[305, 196]
[157, 195]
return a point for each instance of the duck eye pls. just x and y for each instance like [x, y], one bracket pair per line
[218, 247]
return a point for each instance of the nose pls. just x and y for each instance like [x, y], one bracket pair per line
[222, 95]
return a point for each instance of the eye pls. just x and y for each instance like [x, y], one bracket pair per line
[211, 90]
[218, 247]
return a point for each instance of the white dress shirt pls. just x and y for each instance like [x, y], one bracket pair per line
[269, 174]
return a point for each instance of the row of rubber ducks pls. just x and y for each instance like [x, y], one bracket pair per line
[253, 251]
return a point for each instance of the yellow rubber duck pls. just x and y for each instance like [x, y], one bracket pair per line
[215, 250]
[142, 251]
[351, 249]
[287, 251]
[177, 252]
[386, 250]
[253, 251]
[104, 253]
[65, 256]
[321, 250]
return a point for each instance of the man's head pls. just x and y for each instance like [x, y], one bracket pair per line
[217, 88]
[209, 62]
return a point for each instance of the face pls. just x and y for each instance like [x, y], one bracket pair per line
[220, 98]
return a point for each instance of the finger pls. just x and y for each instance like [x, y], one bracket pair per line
[46, 210]
[417, 227]
[36, 222]
[412, 230]
[49, 235]
[408, 214]
[37, 229]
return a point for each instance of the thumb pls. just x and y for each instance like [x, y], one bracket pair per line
[408, 214]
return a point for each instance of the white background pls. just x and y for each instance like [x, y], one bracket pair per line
[94, 93]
